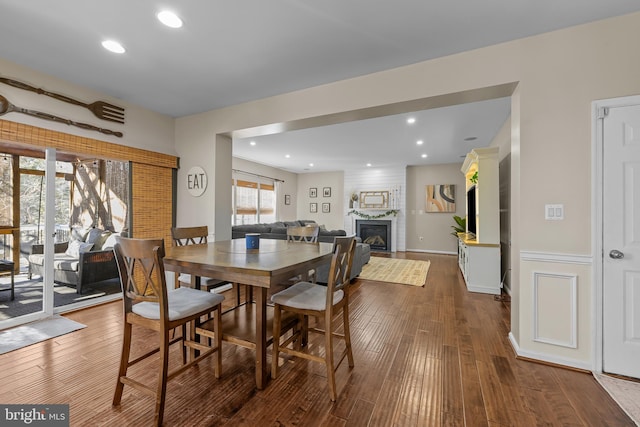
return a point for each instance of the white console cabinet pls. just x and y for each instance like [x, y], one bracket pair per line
[479, 252]
[480, 265]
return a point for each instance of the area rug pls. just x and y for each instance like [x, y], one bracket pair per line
[625, 393]
[396, 270]
[31, 333]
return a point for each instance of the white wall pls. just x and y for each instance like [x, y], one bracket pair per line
[377, 179]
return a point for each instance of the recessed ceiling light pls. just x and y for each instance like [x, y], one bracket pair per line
[368, 165]
[424, 156]
[287, 156]
[471, 138]
[311, 164]
[252, 143]
[169, 19]
[113, 46]
[419, 142]
[411, 120]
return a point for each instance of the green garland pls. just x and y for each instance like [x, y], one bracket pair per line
[393, 212]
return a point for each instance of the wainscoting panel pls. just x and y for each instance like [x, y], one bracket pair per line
[555, 293]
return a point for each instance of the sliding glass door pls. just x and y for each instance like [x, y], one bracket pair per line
[41, 202]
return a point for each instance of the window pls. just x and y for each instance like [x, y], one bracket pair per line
[254, 200]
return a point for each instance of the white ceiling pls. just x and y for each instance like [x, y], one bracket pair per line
[384, 142]
[229, 52]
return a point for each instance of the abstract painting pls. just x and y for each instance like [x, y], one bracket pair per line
[441, 198]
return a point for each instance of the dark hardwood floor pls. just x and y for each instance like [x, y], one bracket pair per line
[424, 356]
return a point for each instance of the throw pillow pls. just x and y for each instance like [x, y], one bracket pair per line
[76, 247]
[78, 233]
[93, 235]
[100, 241]
[110, 242]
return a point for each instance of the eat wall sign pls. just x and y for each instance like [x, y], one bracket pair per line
[196, 181]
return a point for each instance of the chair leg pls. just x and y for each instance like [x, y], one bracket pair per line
[328, 339]
[124, 362]
[217, 330]
[277, 320]
[183, 347]
[347, 334]
[236, 287]
[304, 330]
[249, 292]
[162, 377]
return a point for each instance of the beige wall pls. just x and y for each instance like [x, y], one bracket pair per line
[333, 220]
[558, 74]
[142, 129]
[434, 228]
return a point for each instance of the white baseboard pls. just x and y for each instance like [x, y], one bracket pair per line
[428, 251]
[484, 289]
[549, 358]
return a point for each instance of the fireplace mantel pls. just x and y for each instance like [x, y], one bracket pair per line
[374, 213]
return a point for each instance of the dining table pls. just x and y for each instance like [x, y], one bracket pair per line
[273, 263]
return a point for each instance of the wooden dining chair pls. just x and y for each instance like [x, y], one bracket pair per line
[183, 236]
[310, 299]
[303, 234]
[306, 234]
[149, 304]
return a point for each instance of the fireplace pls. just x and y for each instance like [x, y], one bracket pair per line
[377, 233]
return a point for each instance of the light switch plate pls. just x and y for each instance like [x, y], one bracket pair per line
[554, 212]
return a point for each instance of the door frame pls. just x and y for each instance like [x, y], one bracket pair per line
[597, 229]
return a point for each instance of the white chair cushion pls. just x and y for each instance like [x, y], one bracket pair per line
[305, 295]
[183, 302]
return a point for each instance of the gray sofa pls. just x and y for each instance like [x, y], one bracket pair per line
[278, 230]
[88, 258]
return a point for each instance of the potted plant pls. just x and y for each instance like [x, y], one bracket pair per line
[353, 199]
[460, 227]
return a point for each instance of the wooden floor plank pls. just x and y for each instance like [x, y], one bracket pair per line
[424, 356]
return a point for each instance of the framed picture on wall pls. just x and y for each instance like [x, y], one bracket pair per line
[287, 199]
[326, 192]
[313, 207]
[313, 192]
[326, 207]
[441, 198]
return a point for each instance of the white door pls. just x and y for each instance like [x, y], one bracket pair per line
[621, 241]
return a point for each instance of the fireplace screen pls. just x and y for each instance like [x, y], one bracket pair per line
[377, 233]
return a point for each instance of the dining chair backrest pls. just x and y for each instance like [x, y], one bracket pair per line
[183, 236]
[347, 246]
[306, 234]
[142, 271]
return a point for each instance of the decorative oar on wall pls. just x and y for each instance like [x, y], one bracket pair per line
[100, 109]
[8, 107]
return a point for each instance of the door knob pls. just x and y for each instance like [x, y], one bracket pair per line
[616, 254]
